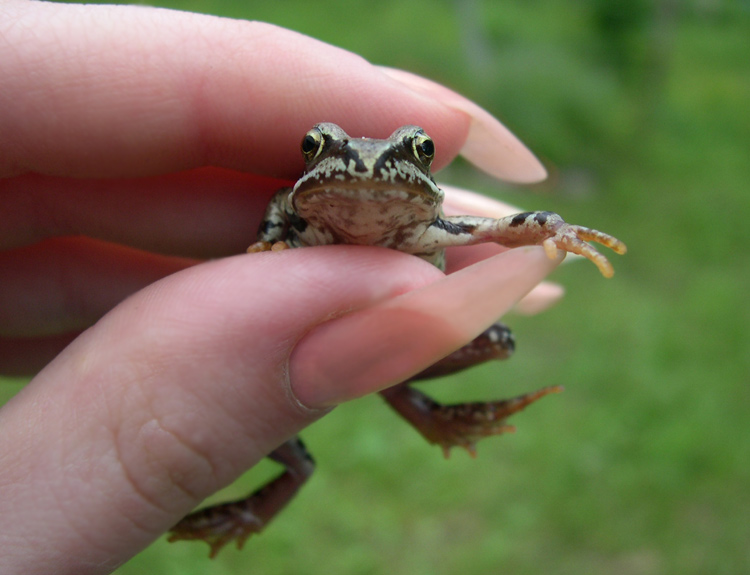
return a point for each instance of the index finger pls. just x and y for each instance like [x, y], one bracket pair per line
[105, 91]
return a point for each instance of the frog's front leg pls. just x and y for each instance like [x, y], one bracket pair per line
[463, 424]
[237, 520]
[276, 231]
[526, 229]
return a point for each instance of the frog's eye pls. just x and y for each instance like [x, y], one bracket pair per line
[312, 144]
[424, 148]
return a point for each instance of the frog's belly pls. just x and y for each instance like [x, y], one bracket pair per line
[394, 220]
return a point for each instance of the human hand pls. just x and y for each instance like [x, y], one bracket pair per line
[109, 119]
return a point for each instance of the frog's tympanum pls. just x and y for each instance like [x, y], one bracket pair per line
[381, 193]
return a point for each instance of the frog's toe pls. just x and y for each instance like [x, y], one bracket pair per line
[574, 239]
[218, 526]
[590, 235]
[258, 247]
[267, 247]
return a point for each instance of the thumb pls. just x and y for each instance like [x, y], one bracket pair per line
[170, 397]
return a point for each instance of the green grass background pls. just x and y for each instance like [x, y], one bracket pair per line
[641, 110]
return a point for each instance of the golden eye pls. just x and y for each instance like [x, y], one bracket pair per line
[424, 148]
[312, 144]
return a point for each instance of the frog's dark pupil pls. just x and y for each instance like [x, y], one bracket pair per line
[308, 144]
[428, 148]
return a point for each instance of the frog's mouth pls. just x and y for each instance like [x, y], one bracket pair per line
[413, 191]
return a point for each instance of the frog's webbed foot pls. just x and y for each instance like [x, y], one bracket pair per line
[574, 239]
[462, 425]
[267, 247]
[238, 520]
[220, 525]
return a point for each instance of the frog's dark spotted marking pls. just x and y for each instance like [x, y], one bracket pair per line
[292, 239]
[453, 228]
[329, 140]
[382, 163]
[519, 219]
[539, 217]
[500, 334]
[300, 449]
[353, 155]
[297, 223]
[269, 225]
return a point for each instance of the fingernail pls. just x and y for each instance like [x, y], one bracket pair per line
[490, 146]
[382, 345]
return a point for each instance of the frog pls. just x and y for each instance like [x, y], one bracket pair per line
[381, 192]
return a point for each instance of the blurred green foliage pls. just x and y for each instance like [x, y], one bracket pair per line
[640, 110]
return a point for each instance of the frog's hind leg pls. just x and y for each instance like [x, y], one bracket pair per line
[463, 424]
[237, 520]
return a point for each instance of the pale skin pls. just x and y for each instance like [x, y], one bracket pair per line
[196, 377]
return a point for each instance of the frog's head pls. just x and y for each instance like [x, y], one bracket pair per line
[342, 173]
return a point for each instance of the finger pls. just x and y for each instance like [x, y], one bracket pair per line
[201, 213]
[541, 298]
[400, 337]
[67, 284]
[26, 356]
[168, 398]
[158, 91]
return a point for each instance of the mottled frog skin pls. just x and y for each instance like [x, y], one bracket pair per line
[381, 193]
